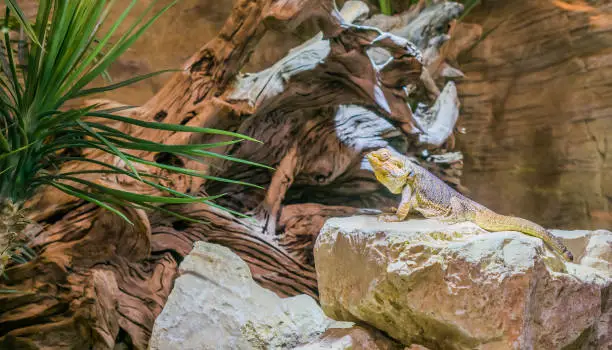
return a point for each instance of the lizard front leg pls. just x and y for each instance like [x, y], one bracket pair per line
[403, 208]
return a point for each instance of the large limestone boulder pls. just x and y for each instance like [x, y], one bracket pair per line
[215, 304]
[460, 287]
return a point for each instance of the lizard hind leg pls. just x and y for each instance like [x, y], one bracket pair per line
[456, 212]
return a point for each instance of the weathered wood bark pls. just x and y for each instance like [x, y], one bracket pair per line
[98, 281]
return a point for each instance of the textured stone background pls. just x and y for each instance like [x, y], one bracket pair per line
[538, 111]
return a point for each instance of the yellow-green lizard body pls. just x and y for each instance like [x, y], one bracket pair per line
[423, 192]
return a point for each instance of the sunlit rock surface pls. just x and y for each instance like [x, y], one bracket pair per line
[460, 287]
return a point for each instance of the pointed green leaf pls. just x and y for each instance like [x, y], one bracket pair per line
[82, 195]
[170, 127]
[121, 84]
[14, 7]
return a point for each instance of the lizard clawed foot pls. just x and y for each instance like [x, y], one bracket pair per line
[390, 210]
[388, 215]
[388, 218]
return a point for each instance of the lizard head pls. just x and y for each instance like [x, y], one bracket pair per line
[391, 171]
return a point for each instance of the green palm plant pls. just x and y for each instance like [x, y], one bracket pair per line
[65, 51]
[385, 7]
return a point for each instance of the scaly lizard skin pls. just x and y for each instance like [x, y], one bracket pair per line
[423, 192]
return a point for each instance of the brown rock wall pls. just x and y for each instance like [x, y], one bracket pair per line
[537, 107]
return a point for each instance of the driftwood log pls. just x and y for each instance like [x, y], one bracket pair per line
[98, 282]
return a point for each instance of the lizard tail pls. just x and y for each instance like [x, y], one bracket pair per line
[492, 221]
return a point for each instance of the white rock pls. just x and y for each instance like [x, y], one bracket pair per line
[593, 248]
[215, 304]
[460, 287]
[356, 337]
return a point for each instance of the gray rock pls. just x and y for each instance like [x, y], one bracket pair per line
[460, 287]
[215, 304]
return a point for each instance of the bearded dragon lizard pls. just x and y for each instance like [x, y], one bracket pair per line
[423, 192]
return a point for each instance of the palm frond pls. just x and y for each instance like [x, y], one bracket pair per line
[385, 7]
[55, 60]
